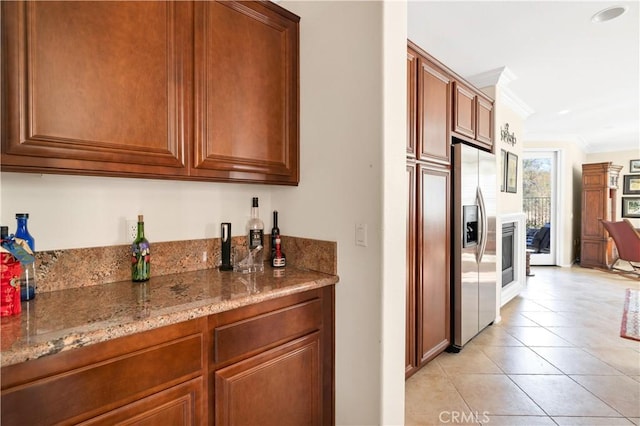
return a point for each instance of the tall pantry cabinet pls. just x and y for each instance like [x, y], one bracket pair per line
[599, 188]
[428, 218]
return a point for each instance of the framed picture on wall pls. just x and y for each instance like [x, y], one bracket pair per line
[634, 166]
[631, 184]
[512, 172]
[503, 170]
[631, 207]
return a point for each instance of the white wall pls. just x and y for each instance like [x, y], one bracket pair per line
[82, 211]
[353, 172]
[352, 89]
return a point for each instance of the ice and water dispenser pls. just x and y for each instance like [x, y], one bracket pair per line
[470, 225]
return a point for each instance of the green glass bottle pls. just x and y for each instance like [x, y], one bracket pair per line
[140, 259]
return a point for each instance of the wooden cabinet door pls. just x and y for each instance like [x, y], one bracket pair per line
[97, 87]
[115, 379]
[412, 94]
[598, 203]
[433, 114]
[281, 386]
[246, 92]
[180, 405]
[410, 333]
[484, 122]
[433, 297]
[464, 111]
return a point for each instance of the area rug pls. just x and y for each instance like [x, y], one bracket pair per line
[630, 326]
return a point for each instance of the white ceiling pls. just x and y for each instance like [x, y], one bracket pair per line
[560, 60]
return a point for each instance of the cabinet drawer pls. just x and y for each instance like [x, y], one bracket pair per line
[103, 386]
[243, 338]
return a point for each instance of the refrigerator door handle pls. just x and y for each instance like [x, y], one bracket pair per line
[483, 226]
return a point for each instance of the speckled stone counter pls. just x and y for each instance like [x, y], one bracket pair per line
[66, 319]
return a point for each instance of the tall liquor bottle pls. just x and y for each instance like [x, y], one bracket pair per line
[255, 230]
[278, 259]
[255, 226]
[275, 233]
[140, 255]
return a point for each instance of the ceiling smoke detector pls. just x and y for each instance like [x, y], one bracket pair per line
[608, 14]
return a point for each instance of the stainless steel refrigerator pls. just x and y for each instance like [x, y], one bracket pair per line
[474, 243]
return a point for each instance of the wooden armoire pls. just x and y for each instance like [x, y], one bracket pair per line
[599, 188]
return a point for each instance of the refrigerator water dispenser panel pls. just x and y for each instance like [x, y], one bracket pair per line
[470, 226]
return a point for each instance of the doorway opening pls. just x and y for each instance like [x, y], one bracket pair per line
[539, 203]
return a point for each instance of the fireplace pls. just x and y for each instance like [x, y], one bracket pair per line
[511, 258]
[508, 238]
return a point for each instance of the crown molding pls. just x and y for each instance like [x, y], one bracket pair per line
[500, 77]
[510, 99]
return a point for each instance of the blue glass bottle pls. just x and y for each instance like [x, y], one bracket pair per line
[28, 277]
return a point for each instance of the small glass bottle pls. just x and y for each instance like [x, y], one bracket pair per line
[140, 255]
[28, 276]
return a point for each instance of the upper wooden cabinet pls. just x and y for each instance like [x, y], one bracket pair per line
[428, 105]
[464, 110]
[210, 95]
[246, 86]
[85, 90]
[472, 116]
[484, 122]
[433, 123]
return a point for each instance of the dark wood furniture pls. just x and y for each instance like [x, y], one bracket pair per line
[472, 116]
[599, 188]
[208, 91]
[428, 179]
[267, 363]
[440, 105]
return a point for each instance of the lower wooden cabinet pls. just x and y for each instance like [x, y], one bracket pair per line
[180, 405]
[278, 387]
[428, 264]
[273, 362]
[268, 363]
[112, 378]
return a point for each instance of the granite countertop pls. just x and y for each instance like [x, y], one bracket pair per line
[66, 319]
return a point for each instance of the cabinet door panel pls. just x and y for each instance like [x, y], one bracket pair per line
[288, 380]
[410, 333]
[246, 93]
[88, 91]
[433, 107]
[131, 371]
[434, 189]
[485, 121]
[464, 111]
[412, 81]
[181, 405]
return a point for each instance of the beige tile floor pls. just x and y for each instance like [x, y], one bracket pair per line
[556, 358]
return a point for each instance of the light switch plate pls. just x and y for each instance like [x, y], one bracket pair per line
[361, 234]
